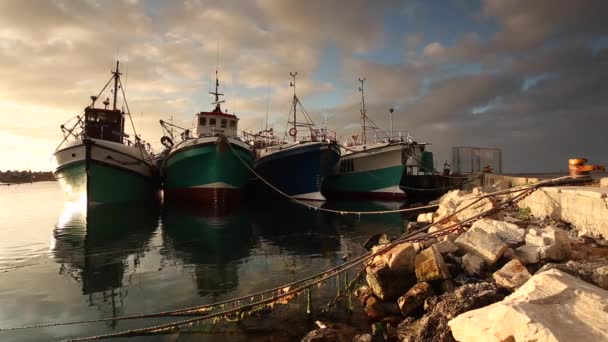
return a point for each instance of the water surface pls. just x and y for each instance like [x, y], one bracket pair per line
[58, 263]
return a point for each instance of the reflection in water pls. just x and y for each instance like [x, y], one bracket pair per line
[98, 249]
[213, 242]
[296, 229]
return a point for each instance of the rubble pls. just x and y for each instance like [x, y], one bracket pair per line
[414, 298]
[430, 265]
[551, 306]
[508, 233]
[487, 246]
[512, 275]
[428, 283]
[473, 265]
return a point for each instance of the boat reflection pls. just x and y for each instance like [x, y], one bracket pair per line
[297, 229]
[102, 247]
[213, 241]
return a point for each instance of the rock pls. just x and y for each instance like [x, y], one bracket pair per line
[446, 246]
[477, 207]
[487, 246]
[386, 284]
[473, 265]
[483, 190]
[451, 195]
[604, 182]
[508, 233]
[374, 308]
[433, 326]
[512, 275]
[362, 293]
[338, 332]
[528, 254]
[321, 335]
[509, 254]
[374, 240]
[401, 258]
[551, 306]
[600, 277]
[430, 265]
[553, 242]
[426, 217]
[414, 298]
[414, 226]
[445, 209]
[583, 271]
[451, 236]
[448, 285]
[362, 338]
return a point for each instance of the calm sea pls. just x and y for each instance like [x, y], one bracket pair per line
[58, 263]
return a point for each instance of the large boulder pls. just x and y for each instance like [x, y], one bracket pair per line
[487, 246]
[553, 242]
[430, 265]
[386, 284]
[473, 206]
[512, 275]
[400, 258]
[551, 306]
[508, 233]
[414, 298]
[433, 326]
[377, 309]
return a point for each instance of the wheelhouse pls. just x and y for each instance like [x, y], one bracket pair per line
[216, 122]
[104, 124]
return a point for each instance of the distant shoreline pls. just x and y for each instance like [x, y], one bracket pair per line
[21, 177]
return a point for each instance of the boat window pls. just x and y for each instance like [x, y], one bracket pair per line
[232, 124]
[211, 121]
[202, 121]
[224, 123]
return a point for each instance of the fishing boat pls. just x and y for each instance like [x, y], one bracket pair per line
[370, 167]
[96, 159]
[297, 167]
[211, 166]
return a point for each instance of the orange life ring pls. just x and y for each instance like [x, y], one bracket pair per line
[293, 131]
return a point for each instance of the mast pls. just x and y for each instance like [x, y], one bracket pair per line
[390, 113]
[216, 93]
[295, 102]
[116, 74]
[363, 111]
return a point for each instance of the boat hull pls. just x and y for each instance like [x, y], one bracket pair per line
[207, 170]
[374, 173]
[298, 171]
[104, 172]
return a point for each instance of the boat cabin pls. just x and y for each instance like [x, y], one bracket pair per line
[216, 122]
[104, 124]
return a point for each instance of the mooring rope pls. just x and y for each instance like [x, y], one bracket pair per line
[304, 283]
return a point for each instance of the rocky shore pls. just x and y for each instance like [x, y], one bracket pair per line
[509, 277]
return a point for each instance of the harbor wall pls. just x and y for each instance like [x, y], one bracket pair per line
[585, 207]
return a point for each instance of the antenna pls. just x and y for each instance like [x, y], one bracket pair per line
[217, 94]
[116, 74]
[363, 110]
[295, 101]
[390, 113]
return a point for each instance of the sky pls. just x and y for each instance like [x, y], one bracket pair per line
[529, 77]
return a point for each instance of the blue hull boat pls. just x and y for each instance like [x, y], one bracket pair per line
[298, 169]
